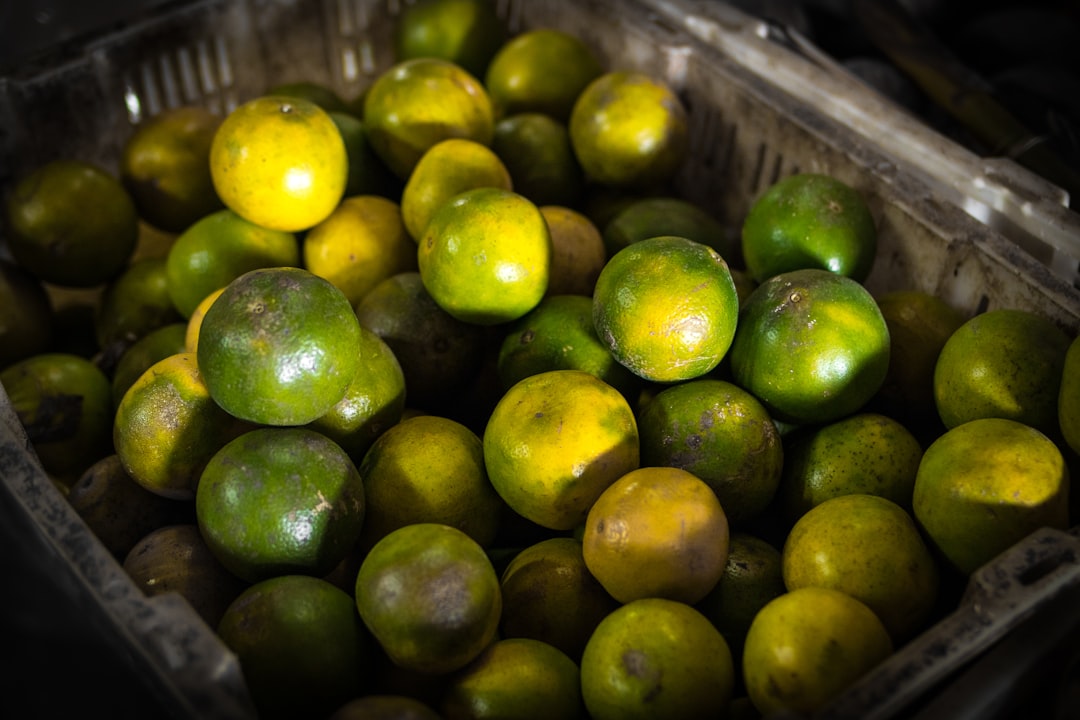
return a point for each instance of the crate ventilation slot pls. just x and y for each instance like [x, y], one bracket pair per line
[199, 74]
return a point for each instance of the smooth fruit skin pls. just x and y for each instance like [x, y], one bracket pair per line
[465, 32]
[485, 256]
[656, 658]
[279, 162]
[280, 501]
[430, 596]
[666, 308]
[629, 130]
[985, 485]
[72, 224]
[279, 347]
[807, 646]
[809, 220]
[869, 548]
[811, 345]
[1004, 363]
[166, 167]
[555, 441]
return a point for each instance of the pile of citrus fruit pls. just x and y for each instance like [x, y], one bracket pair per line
[440, 402]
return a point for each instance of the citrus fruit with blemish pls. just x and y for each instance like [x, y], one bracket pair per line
[485, 256]
[279, 346]
[279, 162]
[550, 595]
[219, 248]
[430, 596]
[300, 645]
[536, 150]
[374, 401]
[280, 501]
[71, 223]
[512, 678]
[865, 453]
[448, 168]
[721, 434]
[919, 324]
[64, 403]
[175, 559]
[629, 129]
[165, 166]
[555, 441]
[465, 32]
[663, 215]
[428, 469]
[416, 103]
[1069, 397]
[140, 355]
[368, 174]
[666, 308]
[577, 251]
[558, 334]
[194, 323]
[812, 345]
[438, 353]
[167, 427]
[135, 303]
[1004, 363]
[26, 314]
[805, 647]
[543, 70]
[656, 658]
[809, 220]
[118, 510]
[870, 548]
[359, 245]
[985, 485]
[656, 532]
[752, 576]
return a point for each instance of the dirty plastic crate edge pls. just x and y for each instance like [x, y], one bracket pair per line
[903, 199]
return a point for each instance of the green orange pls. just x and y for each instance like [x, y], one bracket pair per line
[64, 403]
[558, 334]
[577, 251]
[555, 441]
[1004, 363]
[140, 355]
[870, 548]
[536, 151]
[629, 130]
[465, 32]
[543, 70]
[280, 501]
[279, 162]
[300, 644]
[485, 256]
[812, 345]
[985, 485]
[135, 303]
[418, 102]
[721, 434]
[809, 220]
[165, 166]
[25, 314]
[666, 308]
[656, 658]
[167, 427]
[71, 223]
[662, 215]
[279, 346]
[219, 248]
[430, 596]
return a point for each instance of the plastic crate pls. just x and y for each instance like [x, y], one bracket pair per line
[1002, 194]
[747, 130]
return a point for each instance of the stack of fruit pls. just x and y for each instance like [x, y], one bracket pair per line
[441, 401]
